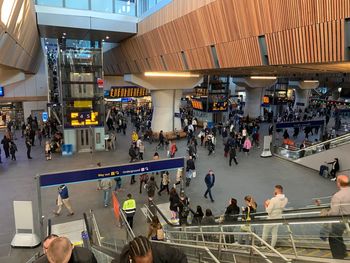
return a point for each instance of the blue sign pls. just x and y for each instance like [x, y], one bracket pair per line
[299, 124]
[45, 116]
[106, 93]
[75, 176]
[126, 99]
[2, 94]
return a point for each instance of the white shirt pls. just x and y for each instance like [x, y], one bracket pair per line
[276, 206]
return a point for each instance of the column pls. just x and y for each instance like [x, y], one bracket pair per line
[301, 98]
[253, 102]
[165, 104]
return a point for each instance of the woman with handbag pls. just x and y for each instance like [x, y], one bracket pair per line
[248, 215]
[155, 231]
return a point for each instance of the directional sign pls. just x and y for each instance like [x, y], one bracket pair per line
[282, 125]
[75, 176]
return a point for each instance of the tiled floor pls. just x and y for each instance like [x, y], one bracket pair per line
[253, 175]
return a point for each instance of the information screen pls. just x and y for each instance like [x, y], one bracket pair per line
[78, 119]
[220, 106]
[123, 92]
[197, 104]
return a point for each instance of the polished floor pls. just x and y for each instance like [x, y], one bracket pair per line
[253, 175]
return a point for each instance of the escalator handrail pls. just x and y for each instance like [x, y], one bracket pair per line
[287, 211]
[105, 250]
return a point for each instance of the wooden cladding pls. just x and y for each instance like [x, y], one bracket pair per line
[311, 44]
[170, 12]
[295, 31]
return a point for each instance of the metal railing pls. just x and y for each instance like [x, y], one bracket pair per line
[313, 149]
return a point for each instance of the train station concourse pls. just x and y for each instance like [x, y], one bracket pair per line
[174, 131]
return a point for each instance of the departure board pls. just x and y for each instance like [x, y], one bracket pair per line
[219, 106]
[197, 105]
[79, 119]
[123, 92]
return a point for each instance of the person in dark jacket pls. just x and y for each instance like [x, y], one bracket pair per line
[197, 216]
[190, 169]
[140, 249]
[13, 150]
[184, 209]
[6, 145]
[132, 153]
[335, 168]
[232, 211]
[61, 250]
[233, 155]
[209, 181]
[174, 203]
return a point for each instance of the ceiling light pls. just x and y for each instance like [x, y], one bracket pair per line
[311, 81]
[107, 37]
[103, 40]
[64, 34]
[172, 74]
[263, 77]
[340, 89]
[63, 37]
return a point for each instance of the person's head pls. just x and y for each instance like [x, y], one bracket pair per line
[47, 241]
[342, 181]
[140, 250]
[190, 157]
[233, 202]
[208, 212]
[278, 189]
[210, 172]
[155, 220]
[336, 159]
[173, 191]
[60, 250]
[156, 154]
[129, 196]
[199, 209]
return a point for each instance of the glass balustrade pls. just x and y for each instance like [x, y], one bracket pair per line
[294, 154]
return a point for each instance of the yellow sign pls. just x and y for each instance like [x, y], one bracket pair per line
[83, 104]
[83, 118]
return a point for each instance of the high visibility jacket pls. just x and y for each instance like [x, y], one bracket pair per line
[129, 207]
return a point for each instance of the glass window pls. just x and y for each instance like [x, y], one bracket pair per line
[102, 5]
[78, 4]
[56, 3]
[125, 8]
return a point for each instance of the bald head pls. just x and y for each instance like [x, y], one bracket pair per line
[343, 180]
[60, 250]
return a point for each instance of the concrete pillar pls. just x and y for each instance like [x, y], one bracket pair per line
[253, 102]
[165, 104]
[301, 96]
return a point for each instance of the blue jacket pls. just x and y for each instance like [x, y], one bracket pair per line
[209, 181]
[63, 191]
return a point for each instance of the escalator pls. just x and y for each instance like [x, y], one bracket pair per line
[299, 238]
[317, 154]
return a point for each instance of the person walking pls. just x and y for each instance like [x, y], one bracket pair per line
[340, 206]
[274, 208]
[13, 150]
[151, 187]
[48, 150]
[106, 185]
[6, 145]
[190, 170]
[141, 150]
[174, 200]
[129, 207]
[173, 149]
[63, 199]
[247, 145]
[143, 180]
[209, 181]
[28, 143]
[233, 155]
[165, 183]
[161, 140]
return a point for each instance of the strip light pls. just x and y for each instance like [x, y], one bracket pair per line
[171, 74]
[311, 81]
[263, 77]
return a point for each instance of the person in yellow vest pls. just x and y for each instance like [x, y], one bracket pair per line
[129, 207]
[134, 136]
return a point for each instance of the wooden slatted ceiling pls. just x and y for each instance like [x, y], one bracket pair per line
[298, 31]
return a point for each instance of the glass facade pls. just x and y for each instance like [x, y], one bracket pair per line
[122, 7]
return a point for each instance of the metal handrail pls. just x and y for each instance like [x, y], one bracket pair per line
[231, 244]
[190, 246]
[96, 228]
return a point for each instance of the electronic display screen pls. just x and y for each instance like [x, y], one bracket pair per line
[197, 104]
[219, 106]
[2, 92]
[123, 92]
[87, 118]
